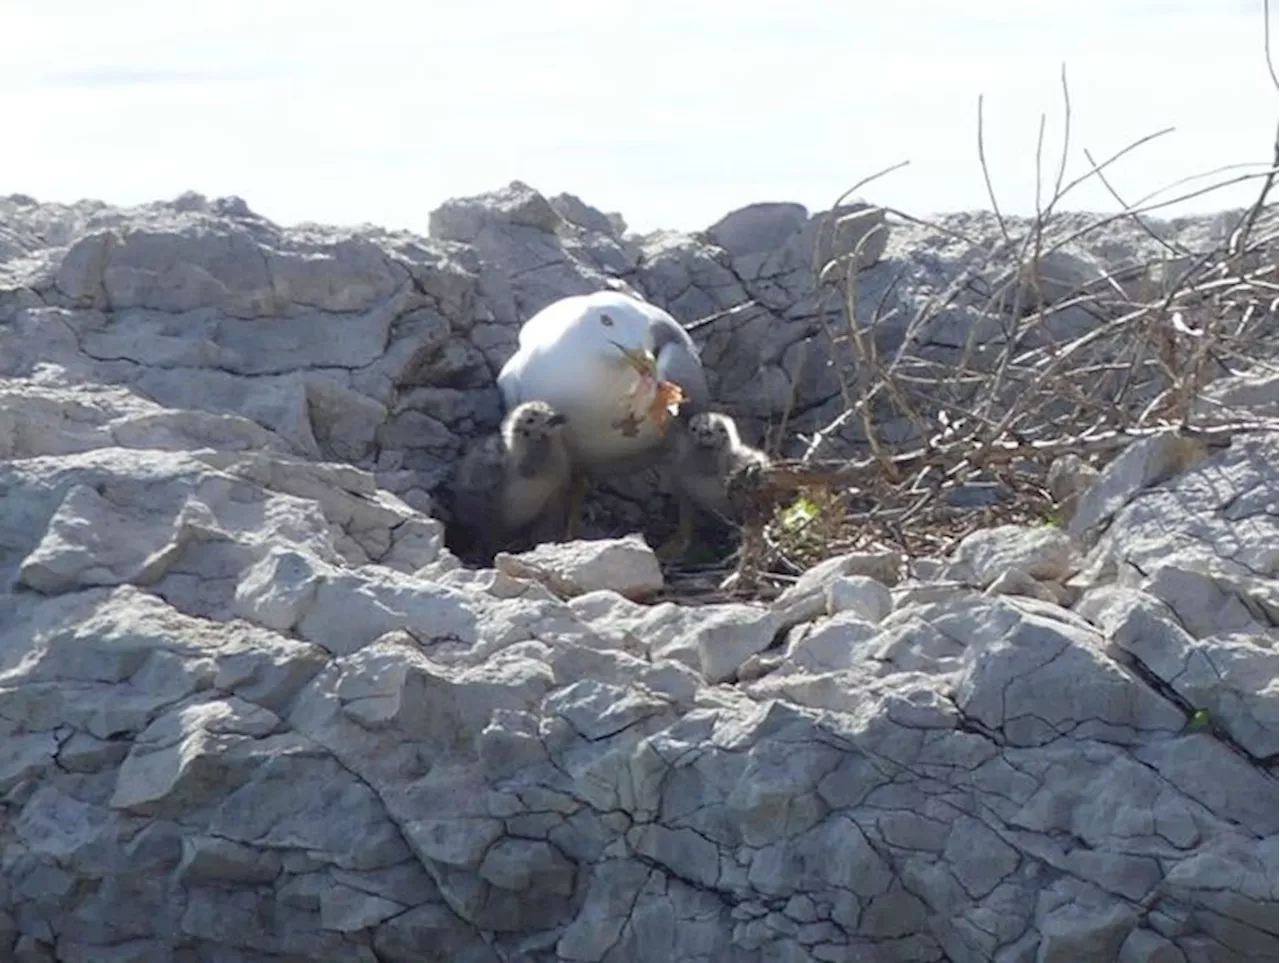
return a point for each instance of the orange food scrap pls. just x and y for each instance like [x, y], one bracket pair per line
[666, 402]
[667, 398]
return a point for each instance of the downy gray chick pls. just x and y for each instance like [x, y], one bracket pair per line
[514, 479]
[708, 453]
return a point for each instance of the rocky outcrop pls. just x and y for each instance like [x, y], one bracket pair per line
[380, 348]
[253, 709]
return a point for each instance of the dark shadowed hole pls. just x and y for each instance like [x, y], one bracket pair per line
[605, 515]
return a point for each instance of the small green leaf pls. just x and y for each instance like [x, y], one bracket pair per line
[1199, 719]
[799, 513]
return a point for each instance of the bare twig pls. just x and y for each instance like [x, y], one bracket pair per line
[986, 172]
[1014, 364]
[1266, 41]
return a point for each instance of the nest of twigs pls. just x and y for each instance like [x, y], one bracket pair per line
[1140, 345]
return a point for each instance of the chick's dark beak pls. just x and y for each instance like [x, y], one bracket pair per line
[557, 419]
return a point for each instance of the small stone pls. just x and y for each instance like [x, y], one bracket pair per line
[1041, 552]
[627, 566]
[859, 595]
[806, 600]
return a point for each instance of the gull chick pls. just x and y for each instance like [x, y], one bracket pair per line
[514, 479]
[708, 453]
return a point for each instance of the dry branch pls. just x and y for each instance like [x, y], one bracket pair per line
[1048, 366]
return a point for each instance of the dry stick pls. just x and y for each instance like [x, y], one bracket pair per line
[1017, 282]
[790, 475]
[1147, 208]
[998, 447]
[932, 309]
[1122, 152]
[868, 351]
[1206, 350]
[1037, 226]
[1066, 136]
[1086, 339]
[750, 541]
[852, 407]
[1034, 240]
[986, 174]
[934, 225]
[1035, 235]
[728, 312]
[1144, 204]
[1245, 227]
[817, 248]
[1180, 288]
[846, 391]
[1170, 246]
[1098, 167]
[1095, 170]
[1018, 279]
[1083, 299]
[823, 434]
[831, 214]
[886, 380]
[855, 335]
[780, 432]
[1141, 313]
[1266, 41]
[1039, 165]
[1165, 355]
[894, 390]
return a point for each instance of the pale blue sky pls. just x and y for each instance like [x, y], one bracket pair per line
[671, 112]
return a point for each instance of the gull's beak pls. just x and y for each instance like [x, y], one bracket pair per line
[557, 419]
[642, 360]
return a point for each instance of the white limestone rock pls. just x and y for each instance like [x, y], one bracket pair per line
[626, 565]
[861, 595]
[1142, 465]
[1043, 552]
[251, 708]
[807, 598]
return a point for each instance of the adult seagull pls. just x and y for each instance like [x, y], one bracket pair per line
[606, 361]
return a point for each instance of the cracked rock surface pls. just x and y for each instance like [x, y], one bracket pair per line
[252, 709]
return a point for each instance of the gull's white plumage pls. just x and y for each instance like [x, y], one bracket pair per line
[570, 356]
